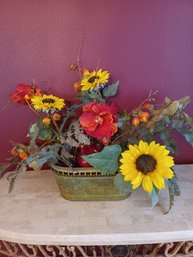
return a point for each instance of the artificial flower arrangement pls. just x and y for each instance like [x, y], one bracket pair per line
[135, 145]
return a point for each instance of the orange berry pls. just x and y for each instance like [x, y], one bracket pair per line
[144, 116]
[26, 97]
[146, 106]
[14, 152]
[77, 87]
[23, 155]
[135, 121]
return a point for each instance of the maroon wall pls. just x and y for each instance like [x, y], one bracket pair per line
[145, 44]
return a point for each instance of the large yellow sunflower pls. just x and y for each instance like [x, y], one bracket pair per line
[47, 103]
[146, 164]
[93, 79]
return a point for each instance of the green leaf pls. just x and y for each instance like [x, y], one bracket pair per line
[178, 124]
[45, 133]
[107, 160]
[174, 190]
[89, 96]
[4, 167]
[154, 197]
[189, 137]
[132, 140]
[43, 156]
[38, 130]
[119, 182]
[13, 176]
[111, 90]
[168, 142]
[144, 134]
[34, 131]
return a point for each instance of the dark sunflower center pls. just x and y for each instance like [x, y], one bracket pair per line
[92, 79]
[145, 163]
[48, 101]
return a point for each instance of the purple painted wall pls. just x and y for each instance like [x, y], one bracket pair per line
[145, 44]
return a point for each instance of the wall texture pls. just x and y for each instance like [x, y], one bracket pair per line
[147, 45]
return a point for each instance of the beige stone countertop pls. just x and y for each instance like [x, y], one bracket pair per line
[35, 213]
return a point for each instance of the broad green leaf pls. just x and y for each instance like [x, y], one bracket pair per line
[154, 197]
[121, 184]
[111, 90]
[107, 160]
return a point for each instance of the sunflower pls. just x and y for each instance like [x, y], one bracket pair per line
[92, 79]
[146, 164]
[47, 103]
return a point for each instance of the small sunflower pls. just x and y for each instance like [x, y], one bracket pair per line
[47, 103]
[93, 79]
[146, 164]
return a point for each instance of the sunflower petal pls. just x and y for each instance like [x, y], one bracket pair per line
[147, 184]
[158, 181]
[137, 181]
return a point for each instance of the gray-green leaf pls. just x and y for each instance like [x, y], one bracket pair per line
[154, 197]
[111, 90]
[121, 184]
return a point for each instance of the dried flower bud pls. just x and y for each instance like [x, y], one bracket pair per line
[84, 71]
[73, 66]
[77, 87]
[38, 92]
[46, 121]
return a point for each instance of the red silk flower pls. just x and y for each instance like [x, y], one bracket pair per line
[22, 93]
[98, 121]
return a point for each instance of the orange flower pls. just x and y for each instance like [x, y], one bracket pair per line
[56, 116]
[21, 93]
[98, 121]
[24, 93]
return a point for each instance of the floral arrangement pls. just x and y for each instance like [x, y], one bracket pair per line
[135, 145]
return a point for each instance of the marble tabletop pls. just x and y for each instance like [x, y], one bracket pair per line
[35, 213]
